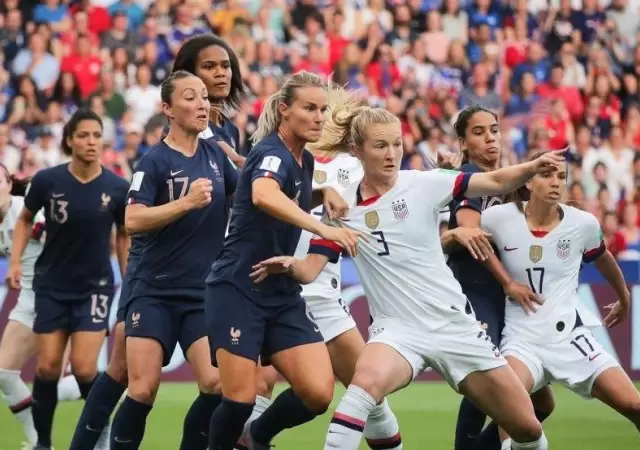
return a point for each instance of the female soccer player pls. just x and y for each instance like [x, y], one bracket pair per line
[215, 63]
[73, 281]
[271, 205]
[421, 317]
[177, 197]
[543, 243]
[479, 137]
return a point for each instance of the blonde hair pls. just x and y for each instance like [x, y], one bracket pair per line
[269, 119]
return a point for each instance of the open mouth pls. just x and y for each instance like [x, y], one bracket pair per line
[202, 117]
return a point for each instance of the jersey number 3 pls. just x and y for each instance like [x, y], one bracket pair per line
[380, 238]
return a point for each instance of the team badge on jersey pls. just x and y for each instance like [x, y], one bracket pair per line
[564, 248]
[372, 220]
[400, 209]
[343, 178]
[319, 176]
[105, 201]
[214, 166]
[535, 253]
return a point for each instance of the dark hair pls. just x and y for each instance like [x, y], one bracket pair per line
[72, 125]
[168, 86]
[462, 122]
[59, 94]
[187, 57]
[18, 186]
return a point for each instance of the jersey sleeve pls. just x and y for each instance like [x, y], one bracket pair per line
[121, 202]
[230, 176]
[444, 185]
[36, 196]
[144, 183]
[274, 164]
[594, 245]
[330, 249]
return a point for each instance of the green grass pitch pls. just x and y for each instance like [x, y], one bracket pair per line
[426, 413]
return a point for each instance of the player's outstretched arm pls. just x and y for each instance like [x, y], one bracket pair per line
[122, 248]
[333, 203]
[508, 179]
[610, 271]
[475, 240]
[304, 271]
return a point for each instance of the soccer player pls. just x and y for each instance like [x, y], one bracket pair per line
[421, 317]
[177, 197]
[73, 280]
[214, 62]
[543, 243]
[479, 137]
[246, 322]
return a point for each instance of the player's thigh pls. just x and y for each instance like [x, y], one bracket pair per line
[199, 356]
[85, 349]
[17, 346]
[524, 359]
[50, 349]
[614, 388]
[543, 400]
[266, 378]
[344, 351]
[144, 362]
[117, 368]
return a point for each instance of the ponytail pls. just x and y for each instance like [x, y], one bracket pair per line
[519, 196]
[269, 119]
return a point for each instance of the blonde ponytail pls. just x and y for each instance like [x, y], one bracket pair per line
[269, 119]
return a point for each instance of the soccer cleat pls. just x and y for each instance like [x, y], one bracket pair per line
[246, 441]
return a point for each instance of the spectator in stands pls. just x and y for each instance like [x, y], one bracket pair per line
[41, 66]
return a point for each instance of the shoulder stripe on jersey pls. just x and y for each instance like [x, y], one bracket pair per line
[461, 184]
[326, 248]
[594, 253]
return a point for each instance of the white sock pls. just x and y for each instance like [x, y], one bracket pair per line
[262, 403]
[381, 429]
[540, 444]
[506, 444]
[18, 396]
[68, 389]
[347, 423]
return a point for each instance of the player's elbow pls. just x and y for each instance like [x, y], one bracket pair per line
[132, 222]
[259, 198]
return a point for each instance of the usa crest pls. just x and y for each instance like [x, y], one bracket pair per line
[343, 178]
[372, 220]
[535, 253]
[563, 249]
[400, 209]
[319, 176]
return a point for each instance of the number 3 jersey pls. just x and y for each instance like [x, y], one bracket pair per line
[549, 263]
[339, 173]
[401, 264]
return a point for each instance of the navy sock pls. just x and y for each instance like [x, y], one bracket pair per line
[85, 387]
[286, 411]
[128, 425]
[490, 439]
[227, 423]
[195, 431]
[45, 400]
[471, 420]
[99, 405]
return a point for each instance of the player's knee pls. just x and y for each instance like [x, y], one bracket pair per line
[143, 391]
[631, 410]
[49, 369]
[368, 379]
[209, 383]
[84, 374]
[265, 382]
[318, 395]
[117, 370]
[527, 430]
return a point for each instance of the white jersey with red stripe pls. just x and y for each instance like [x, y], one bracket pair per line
[401, 266]
[340, 173]
[549, 263]
[34, 246]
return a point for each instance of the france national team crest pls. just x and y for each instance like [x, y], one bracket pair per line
[343, 178]
[535, 253]
[400, 209]
[563, 249]
[319, 176]
[105, 201]
[372, 220]
[214, 166]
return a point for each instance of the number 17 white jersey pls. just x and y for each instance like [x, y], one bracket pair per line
[549, 263]
[402, 267]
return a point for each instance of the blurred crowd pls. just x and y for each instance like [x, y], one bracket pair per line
[561, 73]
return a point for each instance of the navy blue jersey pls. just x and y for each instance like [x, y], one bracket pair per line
[226, 132]
[177, 257]
[468, 271]
[253, 234]
[76, 259]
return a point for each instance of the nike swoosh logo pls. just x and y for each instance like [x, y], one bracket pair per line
[591, 358]
[57, 195]
[93, 429]
[122, 441]
[507, 249]
[298, 183]
[173, 174]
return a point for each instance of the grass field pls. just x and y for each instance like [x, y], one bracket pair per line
[426, 413]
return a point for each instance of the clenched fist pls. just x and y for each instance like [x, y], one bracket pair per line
[199, 194]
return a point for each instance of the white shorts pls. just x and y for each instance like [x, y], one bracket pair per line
[331, 316]
[575, 362]
[454, 351]
[25, 310]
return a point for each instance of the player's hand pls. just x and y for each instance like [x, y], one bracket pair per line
[524, 296]
[199, 194]
[617, 312]
[475, 240]
[449, 160]
[552, 160]
[345, 238]
[334, 204]
[271, 266]
[14, 272]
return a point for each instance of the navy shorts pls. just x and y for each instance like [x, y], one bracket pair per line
[72, 315]
[123, 301]
[490, 312]
[167, 320]
[245, 328]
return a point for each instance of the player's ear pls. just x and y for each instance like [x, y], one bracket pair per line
[284, 111]
[167, 111]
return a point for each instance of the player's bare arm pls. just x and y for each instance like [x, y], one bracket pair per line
[122, 248]
[508, 179]
[609, 269]
[475, 240]
[142, 219]
[21, 236]
[304, 271]
[333, 203]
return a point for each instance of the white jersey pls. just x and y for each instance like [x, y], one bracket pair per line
[402, 267]
[34, 246]
[549, 263]
[340, 173]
